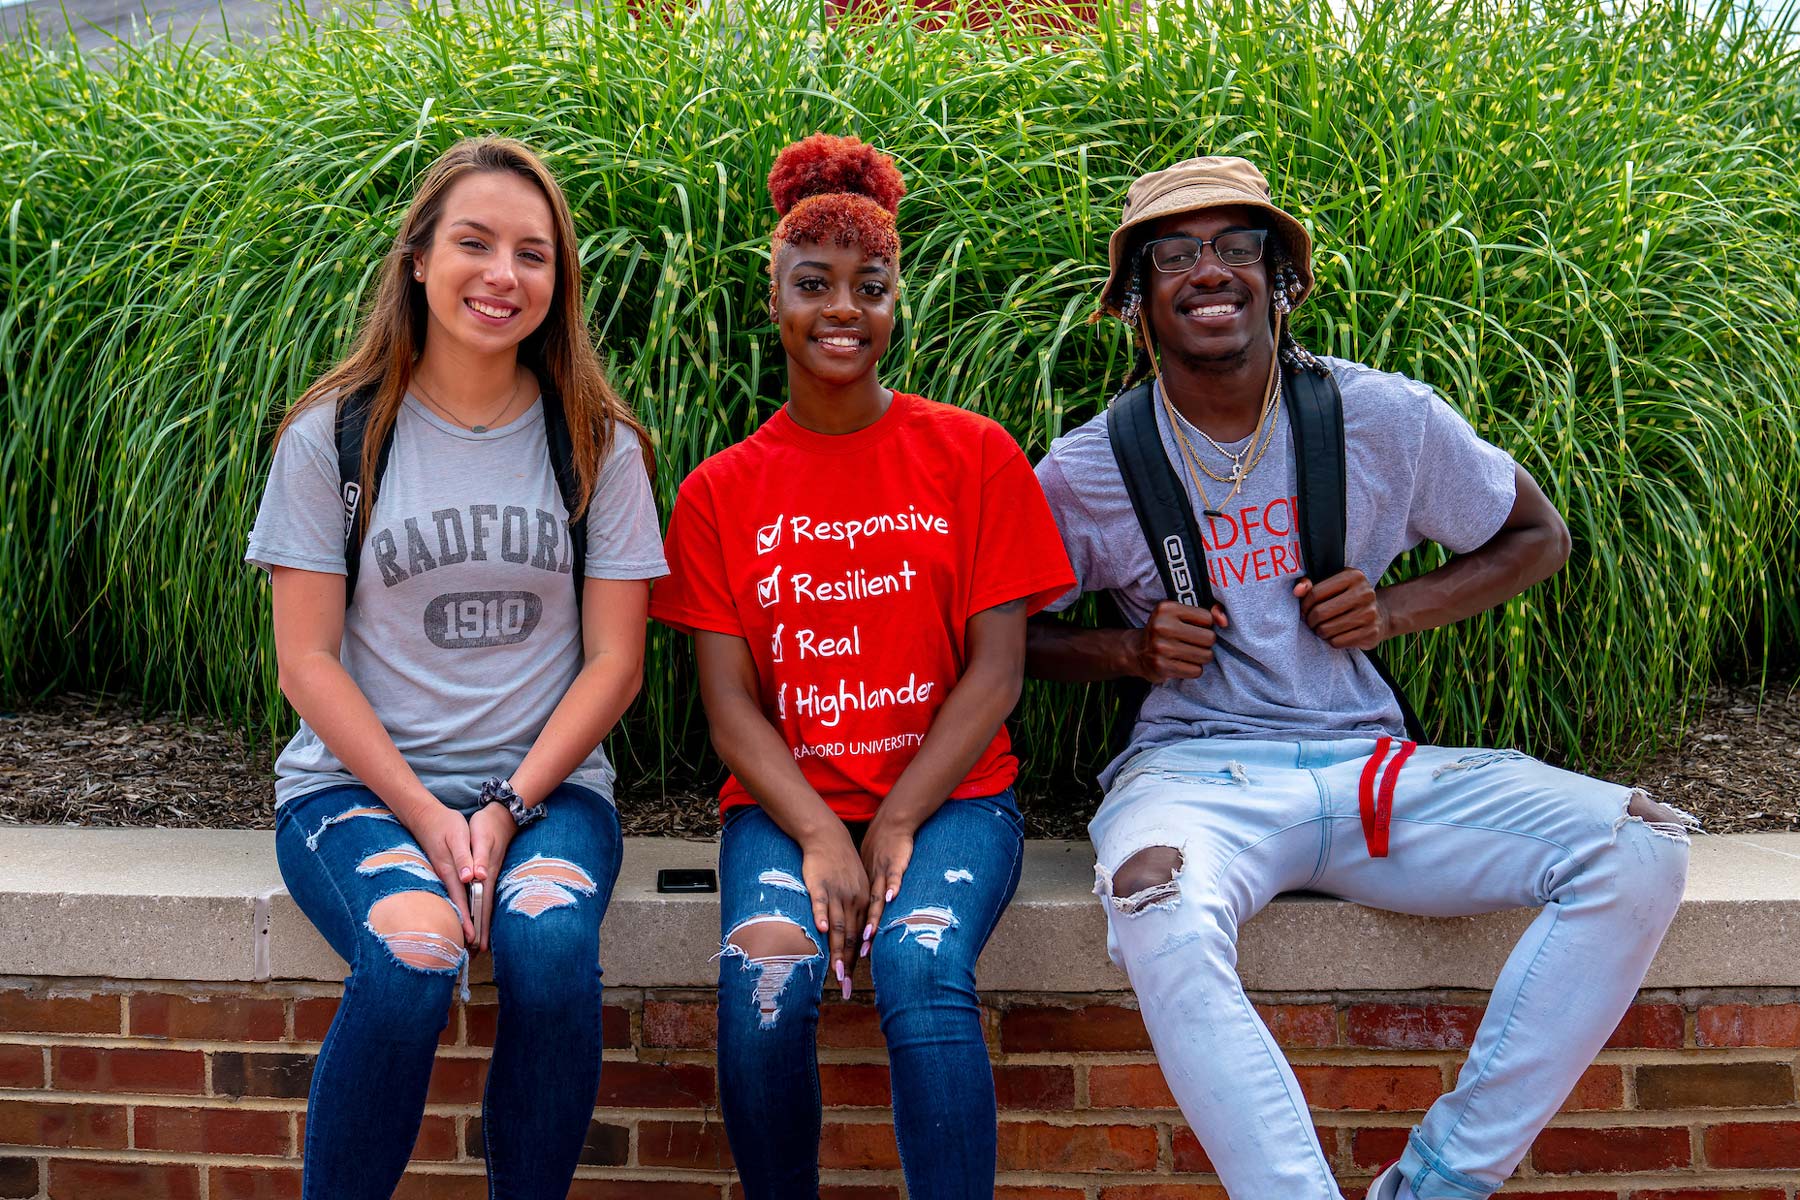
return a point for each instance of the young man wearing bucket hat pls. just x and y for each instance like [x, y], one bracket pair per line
[1271, 754]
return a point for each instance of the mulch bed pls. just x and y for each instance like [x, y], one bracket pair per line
[82, 760]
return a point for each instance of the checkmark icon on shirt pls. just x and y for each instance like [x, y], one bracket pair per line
[768, 537]
[768, 591]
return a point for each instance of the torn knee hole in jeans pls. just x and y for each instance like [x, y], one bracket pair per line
[1149, 879]
[1664, 820]
[926, 925]
[421, 948]
[774, 947]
[541, 883]
[417, 932]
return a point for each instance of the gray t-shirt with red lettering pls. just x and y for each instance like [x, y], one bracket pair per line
[1417, 472]
[463, 632]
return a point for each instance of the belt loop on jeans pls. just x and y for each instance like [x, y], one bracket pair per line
[1376, 801]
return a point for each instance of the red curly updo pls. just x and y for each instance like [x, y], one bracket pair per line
[840, 189]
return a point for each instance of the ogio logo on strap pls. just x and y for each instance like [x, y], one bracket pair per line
[1178, 570]
[352, 493]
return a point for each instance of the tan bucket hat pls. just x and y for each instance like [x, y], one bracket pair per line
[1189, 186]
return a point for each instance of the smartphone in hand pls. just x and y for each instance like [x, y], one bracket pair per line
[478, 912]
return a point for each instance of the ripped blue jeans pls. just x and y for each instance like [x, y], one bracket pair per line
[362, 880]
[964, 868]
[1195, 838]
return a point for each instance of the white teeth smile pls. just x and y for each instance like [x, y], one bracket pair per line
[1213, 310]
[842, 343]
[489, 310]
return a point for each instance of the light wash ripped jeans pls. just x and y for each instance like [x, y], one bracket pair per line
[1471, 831]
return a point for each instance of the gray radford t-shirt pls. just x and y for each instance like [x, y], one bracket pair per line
[1417, 472]
[463, 632]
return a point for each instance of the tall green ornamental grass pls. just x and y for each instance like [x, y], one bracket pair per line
[1577, 223]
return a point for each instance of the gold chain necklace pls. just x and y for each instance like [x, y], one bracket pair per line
[1260, 441]
[1239, 470]
[511, 395]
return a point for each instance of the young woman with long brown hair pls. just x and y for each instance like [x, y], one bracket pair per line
[459, 619]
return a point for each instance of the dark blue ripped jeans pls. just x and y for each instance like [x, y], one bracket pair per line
[341, 854]
[964, 868]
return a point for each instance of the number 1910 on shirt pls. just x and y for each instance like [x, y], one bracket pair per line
[468, 620]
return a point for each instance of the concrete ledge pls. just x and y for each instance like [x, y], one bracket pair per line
[208, 905]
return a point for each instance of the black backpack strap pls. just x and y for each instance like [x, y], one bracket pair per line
[352, 421]
[562, 463]
[1316, 412]
[1158, 498]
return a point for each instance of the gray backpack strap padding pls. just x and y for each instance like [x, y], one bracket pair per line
[562, 462]
[1158, 498]
[352, 421]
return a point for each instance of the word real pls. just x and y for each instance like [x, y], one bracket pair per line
[811, 644]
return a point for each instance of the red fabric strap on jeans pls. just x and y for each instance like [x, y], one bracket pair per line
[1376, 834]
[1365, 795]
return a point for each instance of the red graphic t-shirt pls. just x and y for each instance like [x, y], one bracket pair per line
[851, 564]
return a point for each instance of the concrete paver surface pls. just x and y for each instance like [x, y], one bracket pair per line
[97, 23]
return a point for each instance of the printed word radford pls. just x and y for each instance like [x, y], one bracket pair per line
[805, 529]
[539, 539]
[828, 707]
[1253, 544]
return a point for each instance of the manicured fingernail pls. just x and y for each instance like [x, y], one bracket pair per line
[846, 988]
[840, 970]
[868, 931]
[889, 898]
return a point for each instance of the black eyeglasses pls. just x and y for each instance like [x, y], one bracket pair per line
[1178, 254]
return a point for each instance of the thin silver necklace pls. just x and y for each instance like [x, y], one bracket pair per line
[511, 395]
[1237, 457]
[1239, 470]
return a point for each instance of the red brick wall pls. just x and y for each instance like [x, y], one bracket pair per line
[165, 1090]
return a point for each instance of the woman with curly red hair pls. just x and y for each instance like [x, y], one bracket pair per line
[856, 575]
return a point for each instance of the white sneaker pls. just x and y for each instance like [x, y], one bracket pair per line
[1387, 1184]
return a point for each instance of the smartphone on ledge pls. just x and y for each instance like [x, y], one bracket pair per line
[686, 879]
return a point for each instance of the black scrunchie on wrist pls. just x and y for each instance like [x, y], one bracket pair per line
[499, 791]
